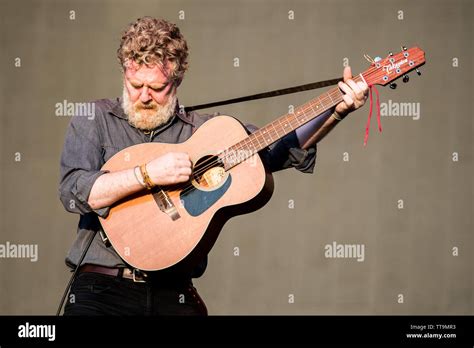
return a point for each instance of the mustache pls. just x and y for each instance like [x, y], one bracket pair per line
[148, 106]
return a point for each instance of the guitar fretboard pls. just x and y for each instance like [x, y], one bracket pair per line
[282, 126]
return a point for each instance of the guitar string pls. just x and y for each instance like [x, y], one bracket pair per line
[259, 135]
[227, 155]
[371, 73]
[294, 120]
[302, 110]
[224, 156]
[371, 70]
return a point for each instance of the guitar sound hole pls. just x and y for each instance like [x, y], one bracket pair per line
[209, 172]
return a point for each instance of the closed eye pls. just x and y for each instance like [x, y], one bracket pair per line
[159, 89]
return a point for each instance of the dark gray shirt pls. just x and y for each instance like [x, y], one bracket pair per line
[91, 141]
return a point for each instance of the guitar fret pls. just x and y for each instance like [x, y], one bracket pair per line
[318, 104]
[294, 123]
[326, 99]
[297, 118]
[329, 94]
[239, 149]
[258, 140]
[252, 146]
[282, 128]
[269, 133]
[264, 135]
[274, 130]
[321, 104]
[231, 158]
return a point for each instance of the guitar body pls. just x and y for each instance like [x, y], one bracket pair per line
[176, 226]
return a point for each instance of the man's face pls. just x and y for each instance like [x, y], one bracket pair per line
[149, 97]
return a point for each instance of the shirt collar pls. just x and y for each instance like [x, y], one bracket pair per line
[117, 109]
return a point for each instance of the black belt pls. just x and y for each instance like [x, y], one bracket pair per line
[136, 275]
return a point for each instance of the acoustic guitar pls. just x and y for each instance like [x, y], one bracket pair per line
[176, 226]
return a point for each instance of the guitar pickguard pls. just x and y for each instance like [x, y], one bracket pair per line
[197, 201]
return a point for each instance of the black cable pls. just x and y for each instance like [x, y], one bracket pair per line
[89, 242]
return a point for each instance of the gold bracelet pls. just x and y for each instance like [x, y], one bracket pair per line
[146, 178]
[136, 176]
[338, 118]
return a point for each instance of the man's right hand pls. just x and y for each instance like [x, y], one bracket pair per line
[169, 169]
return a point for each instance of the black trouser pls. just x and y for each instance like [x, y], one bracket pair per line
[99, 294]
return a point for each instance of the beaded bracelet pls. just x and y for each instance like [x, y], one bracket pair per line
[146, 178]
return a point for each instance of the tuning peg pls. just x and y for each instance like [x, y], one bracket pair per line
[393, 85]
[390, 54]
[404, 48]
[418, 72]
[406, 78]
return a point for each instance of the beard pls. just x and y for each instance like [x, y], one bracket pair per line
[148, 116]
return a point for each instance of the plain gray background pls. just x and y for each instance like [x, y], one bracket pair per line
[281, 267]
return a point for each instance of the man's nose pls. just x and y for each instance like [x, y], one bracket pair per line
[145, 95]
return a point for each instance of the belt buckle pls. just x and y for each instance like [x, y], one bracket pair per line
[138, 276]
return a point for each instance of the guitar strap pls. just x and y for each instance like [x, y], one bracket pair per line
[289, 90]
[269, 94]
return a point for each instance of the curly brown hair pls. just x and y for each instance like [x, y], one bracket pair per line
[154, 41]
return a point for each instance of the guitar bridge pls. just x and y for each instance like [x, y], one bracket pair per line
[165, 204]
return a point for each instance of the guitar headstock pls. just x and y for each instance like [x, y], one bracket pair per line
[387, 70]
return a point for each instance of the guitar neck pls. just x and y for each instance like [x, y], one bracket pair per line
[282, 126]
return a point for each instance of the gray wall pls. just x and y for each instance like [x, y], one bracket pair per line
[422, 251]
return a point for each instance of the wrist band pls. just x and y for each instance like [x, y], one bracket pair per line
[336, 117]
[136, 176]
[148, 183]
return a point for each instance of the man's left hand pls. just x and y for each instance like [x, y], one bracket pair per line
[355, 93]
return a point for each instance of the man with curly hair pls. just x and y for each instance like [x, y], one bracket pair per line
[153, 57]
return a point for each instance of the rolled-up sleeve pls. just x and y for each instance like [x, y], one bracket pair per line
[287, 153]
[80, 164]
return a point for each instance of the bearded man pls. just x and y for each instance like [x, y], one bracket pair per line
[153, 57]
